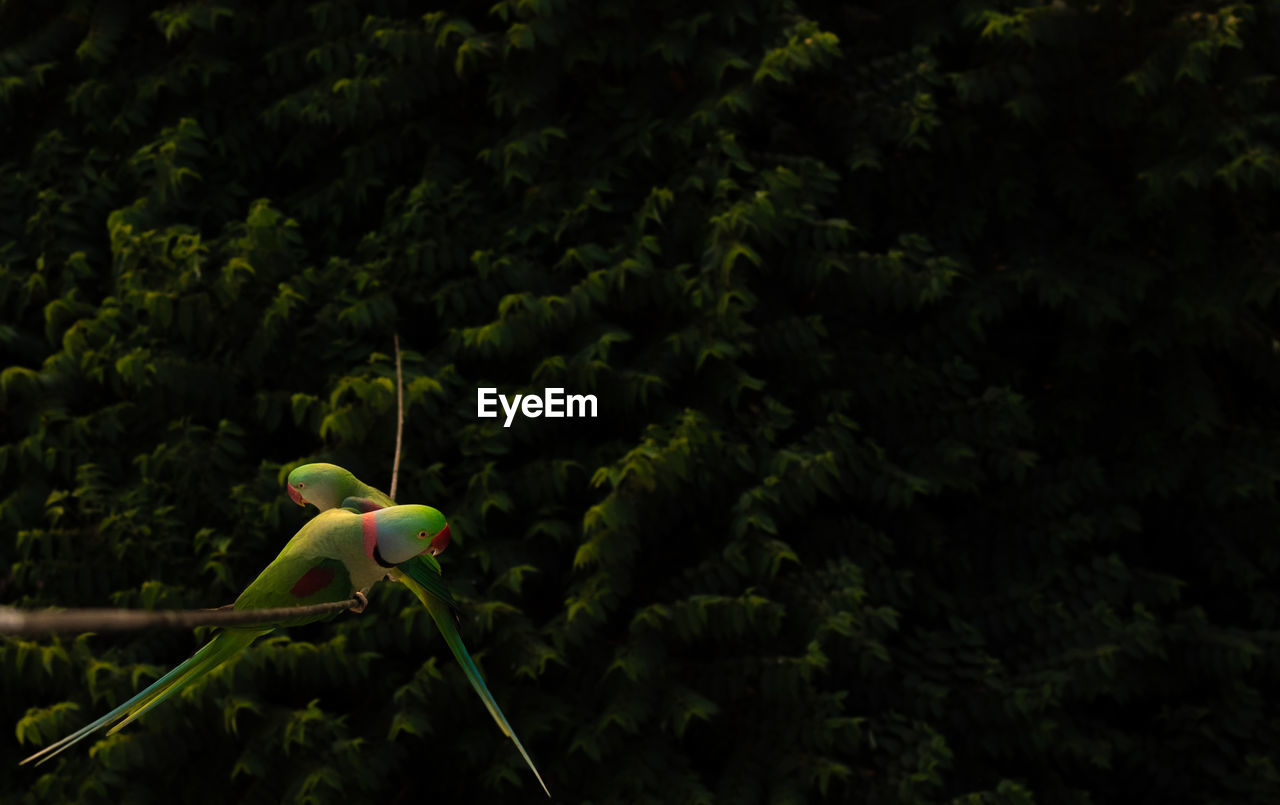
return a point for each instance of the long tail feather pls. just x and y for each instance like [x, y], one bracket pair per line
[443, 615]
[228, 645]
[53, 748]
[209, 656]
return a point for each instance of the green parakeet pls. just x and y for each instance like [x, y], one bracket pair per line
[327, 486]
[331, 558]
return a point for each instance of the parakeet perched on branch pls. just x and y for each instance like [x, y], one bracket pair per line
[333, 557]
[327, 486]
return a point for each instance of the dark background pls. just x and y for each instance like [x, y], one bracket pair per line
[937, 354]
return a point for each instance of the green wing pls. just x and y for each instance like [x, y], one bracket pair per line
[360, 505]
[365, 498]
[382, 499]
[304, 573]
[298, 581]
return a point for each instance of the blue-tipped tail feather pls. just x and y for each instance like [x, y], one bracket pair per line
[210, 656]
[443, 615]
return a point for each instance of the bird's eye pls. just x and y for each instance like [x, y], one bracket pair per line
[422, 535]
[301, 484]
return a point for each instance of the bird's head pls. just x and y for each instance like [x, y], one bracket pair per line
[322, 485]
[403, 532]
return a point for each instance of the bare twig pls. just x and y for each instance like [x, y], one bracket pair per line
[26, 622]
[395, 464]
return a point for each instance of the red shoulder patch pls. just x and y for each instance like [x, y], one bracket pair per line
[313, 581]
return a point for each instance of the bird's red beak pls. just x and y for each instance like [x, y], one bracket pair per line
[439, 542]
[295, 495]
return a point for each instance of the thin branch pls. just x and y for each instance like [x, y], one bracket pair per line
[26, 622]
[395, 464]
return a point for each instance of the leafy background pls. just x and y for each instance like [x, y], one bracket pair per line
[935, 344]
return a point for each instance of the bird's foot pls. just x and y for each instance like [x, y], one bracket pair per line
[361, 603]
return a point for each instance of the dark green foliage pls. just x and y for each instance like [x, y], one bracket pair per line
[936, 348]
